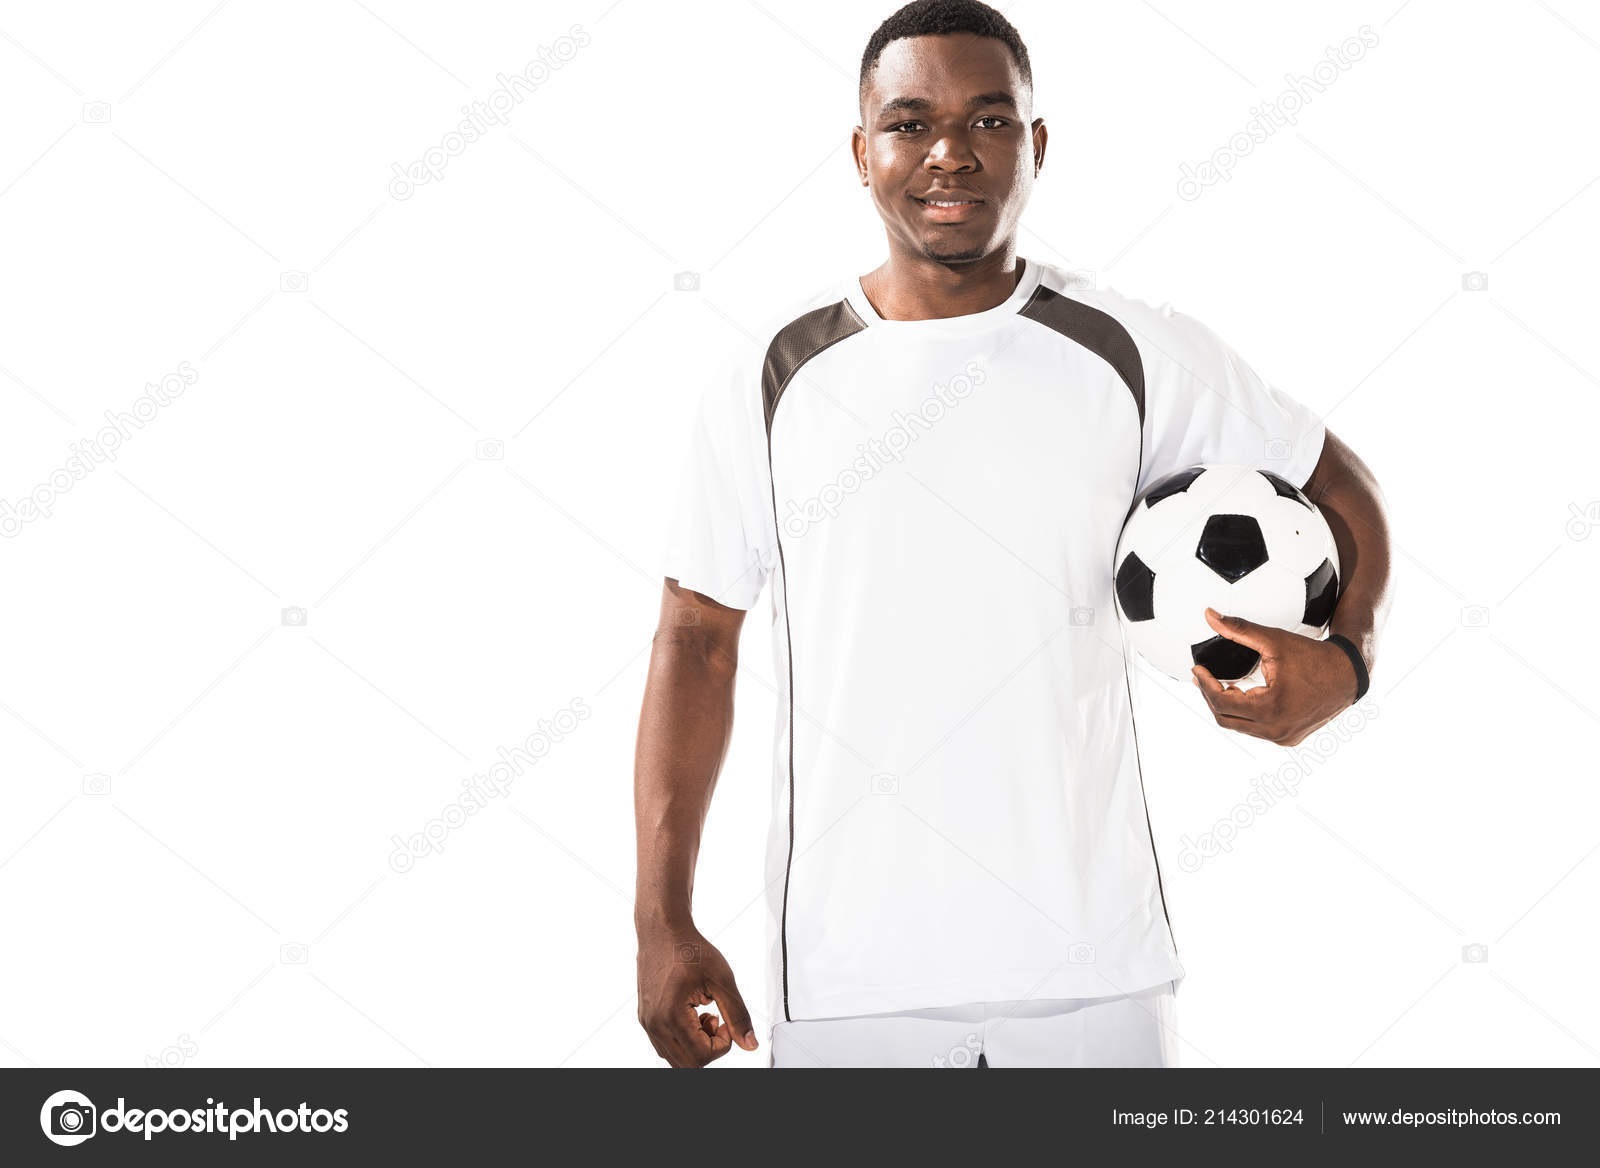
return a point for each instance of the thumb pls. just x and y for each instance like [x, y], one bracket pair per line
[734, 1014]
[1247, 633]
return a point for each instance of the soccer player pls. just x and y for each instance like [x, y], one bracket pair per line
[928, 471]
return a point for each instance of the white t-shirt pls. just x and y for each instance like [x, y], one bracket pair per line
[958, 808]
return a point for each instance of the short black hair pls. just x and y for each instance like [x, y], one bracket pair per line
[940, 18]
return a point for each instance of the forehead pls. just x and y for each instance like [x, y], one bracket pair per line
[946, 70]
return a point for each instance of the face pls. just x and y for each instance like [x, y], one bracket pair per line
[944, 121]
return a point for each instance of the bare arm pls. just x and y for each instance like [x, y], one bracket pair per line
[684, 730]
[1349, 498]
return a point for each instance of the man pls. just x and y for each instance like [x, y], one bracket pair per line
[932, 465]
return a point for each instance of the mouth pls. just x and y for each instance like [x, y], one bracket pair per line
[950, 209]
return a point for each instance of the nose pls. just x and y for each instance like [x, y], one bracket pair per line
[951, 155]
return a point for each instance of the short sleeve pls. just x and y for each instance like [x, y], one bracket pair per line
[721, 538]
[1203, 404]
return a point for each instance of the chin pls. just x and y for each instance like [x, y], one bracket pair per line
[942, 255]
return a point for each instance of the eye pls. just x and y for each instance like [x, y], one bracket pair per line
[999, 122]
[903, 125]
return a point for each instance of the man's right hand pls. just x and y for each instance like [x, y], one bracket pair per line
[679, 971]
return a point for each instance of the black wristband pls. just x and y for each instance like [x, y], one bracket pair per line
[1350, 651]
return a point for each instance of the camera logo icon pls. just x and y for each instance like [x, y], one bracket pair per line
[1475, 954]
[97, 113]
[1277, 450]
[489, 450]
[68, 1118]
[1475, 616]
[1082, 615]
[686, 282]
[293, 282]
[1475, 282]
[884, 784]
[1081, 953]
[295, 617]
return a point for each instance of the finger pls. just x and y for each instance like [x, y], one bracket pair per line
[1258, 637]
[674, 1042]
[733, 1009]
[711, 1037]
[709, 1023]
[719, 1041]
[1227, 699]
[700, 1037]
[708, 1033]
[681, 1037]
[1244, 726]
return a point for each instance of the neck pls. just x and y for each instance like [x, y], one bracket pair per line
[918, 288]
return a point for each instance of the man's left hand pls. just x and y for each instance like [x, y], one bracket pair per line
[1307, 683]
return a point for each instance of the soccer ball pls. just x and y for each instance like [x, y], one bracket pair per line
[1237, 539]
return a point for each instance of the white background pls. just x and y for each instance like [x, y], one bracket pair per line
[199, 799]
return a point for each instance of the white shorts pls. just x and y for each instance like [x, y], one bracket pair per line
[1132, 1030]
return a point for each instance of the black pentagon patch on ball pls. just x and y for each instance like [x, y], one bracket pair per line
[1227, 660]
[1232, 546]
[1322, 591]
[1285, 488]
[1173, 484]
[1136, 589]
